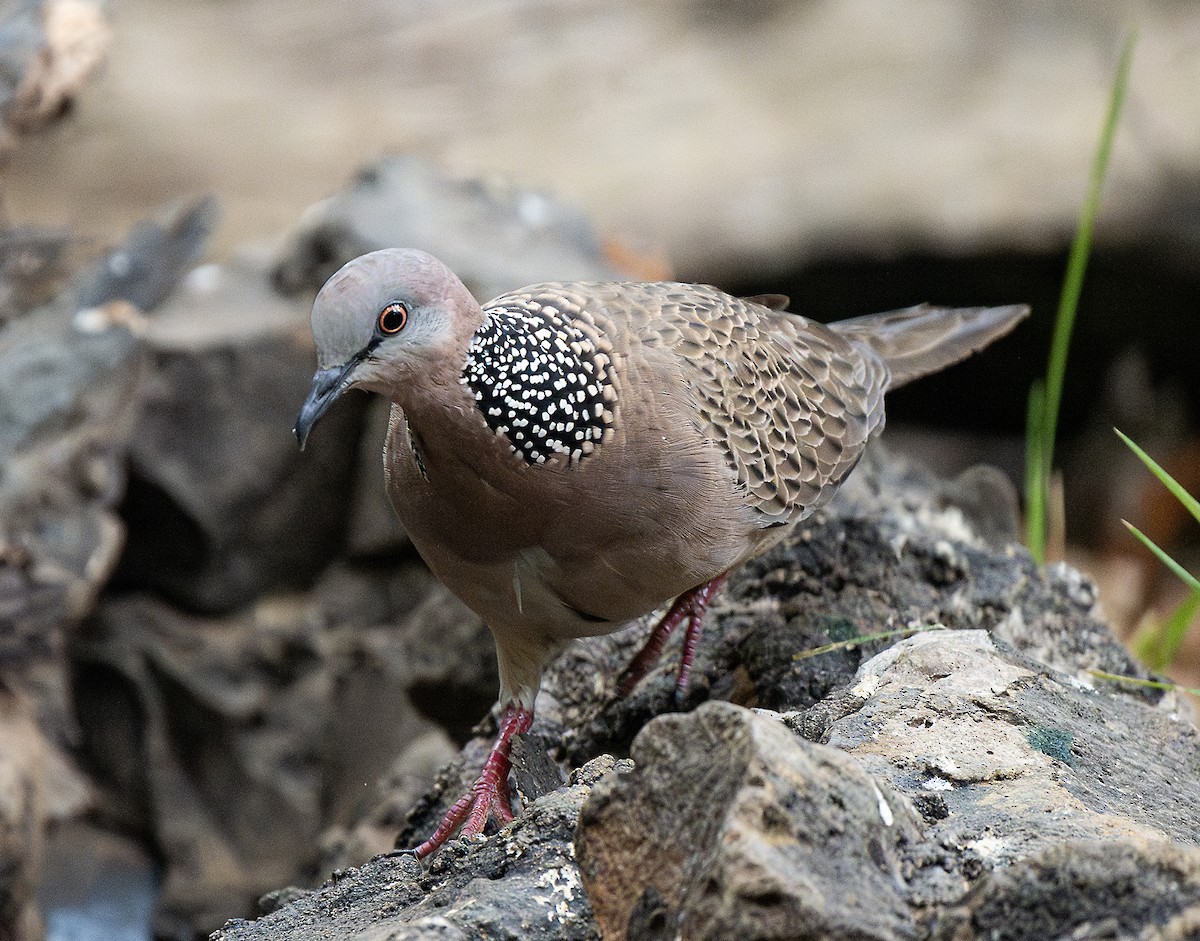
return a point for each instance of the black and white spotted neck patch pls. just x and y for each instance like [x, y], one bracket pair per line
[540, 382]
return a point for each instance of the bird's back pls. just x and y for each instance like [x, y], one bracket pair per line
[785, 403]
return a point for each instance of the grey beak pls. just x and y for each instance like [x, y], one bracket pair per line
[327, 385]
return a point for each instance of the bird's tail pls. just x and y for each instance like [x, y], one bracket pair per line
[920, 340]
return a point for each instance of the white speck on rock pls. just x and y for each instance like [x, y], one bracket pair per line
[203, 279]
[563, 883]
[119, 264]
[885, 812]
[988, 847]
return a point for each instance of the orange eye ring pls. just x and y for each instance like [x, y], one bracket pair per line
[392, 319]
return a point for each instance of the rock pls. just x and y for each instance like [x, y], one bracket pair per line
[372, 829]
[221, 506]
[453, 662]
[98, 885]
[66, 411]
[1008, 759]
[70, 376]
[495, 237]
[35, 266]
[147, 267]
[65, 414]
[1123, 892]
[523, 884]
[221, 728]
[960, 758]
[729, 826]
[39, 792]
[258, 748]
[23, 817]
[48, 50]
[988, 502]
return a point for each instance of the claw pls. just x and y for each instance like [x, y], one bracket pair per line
[489, 793]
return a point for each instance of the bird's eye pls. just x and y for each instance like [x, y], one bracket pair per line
[393, 318]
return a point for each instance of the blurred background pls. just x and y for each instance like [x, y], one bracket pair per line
[857, 155]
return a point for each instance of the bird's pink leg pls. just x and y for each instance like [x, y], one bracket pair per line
[490, 791]
[690, 607]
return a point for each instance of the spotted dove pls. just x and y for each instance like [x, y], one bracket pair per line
[571, 456]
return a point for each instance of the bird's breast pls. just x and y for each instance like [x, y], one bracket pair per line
[569, 547]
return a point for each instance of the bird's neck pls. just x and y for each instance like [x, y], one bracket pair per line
[535, 378]
[441, 411]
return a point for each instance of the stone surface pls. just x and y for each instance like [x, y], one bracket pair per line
[1084, 890]
[66, 409]
[49, 49]
[1022, 756]
[220, 507]
[730, 826]
[98, 885]
[237, 740]
[496, 237]
[71, 372]
[960, 758]
[1008, 760]
[522, 885]
[147, 267]
[35, 266]
[23, 815]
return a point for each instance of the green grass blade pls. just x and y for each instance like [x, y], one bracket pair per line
[1189, 579]
[1036, 486]
[1190, 502]
[1138, 681]
[1068, 303]
[853, 642]
[1044, 402]
[1157, 647]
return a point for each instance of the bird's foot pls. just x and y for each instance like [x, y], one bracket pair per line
[689, 607]
[489, 793]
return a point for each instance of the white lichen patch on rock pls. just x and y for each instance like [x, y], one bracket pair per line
[563, 883]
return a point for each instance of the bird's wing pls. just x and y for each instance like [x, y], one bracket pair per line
[788, 403]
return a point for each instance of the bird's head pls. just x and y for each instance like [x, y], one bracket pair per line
[382, 321]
